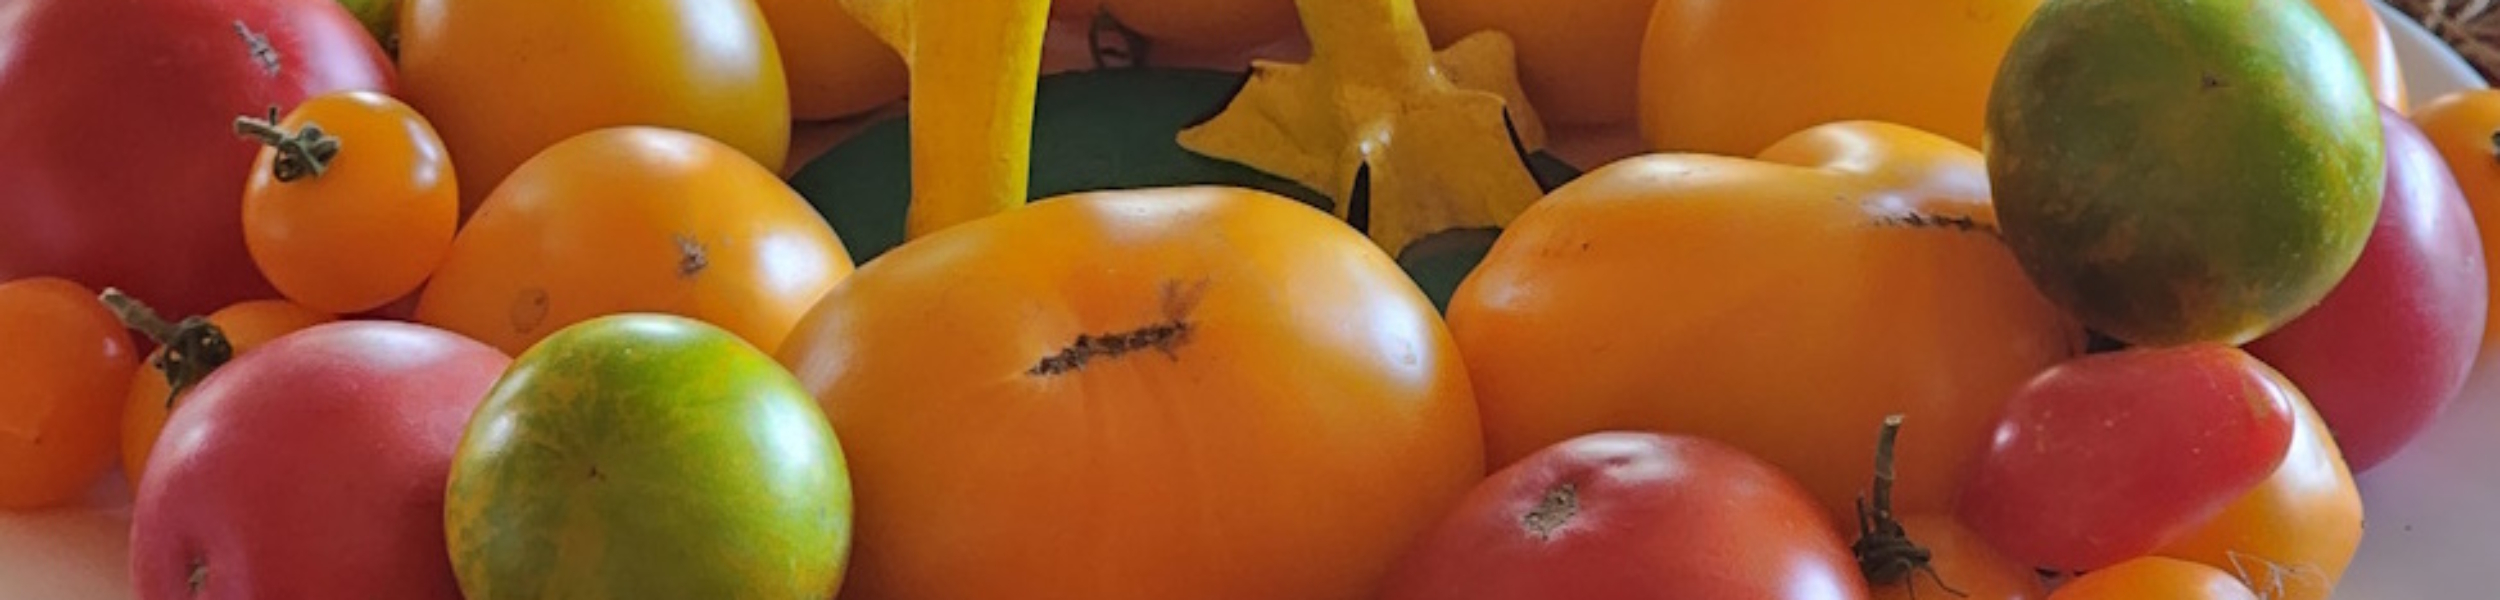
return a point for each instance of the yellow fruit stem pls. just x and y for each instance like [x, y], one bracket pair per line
[974, 66]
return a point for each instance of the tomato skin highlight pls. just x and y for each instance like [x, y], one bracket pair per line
[1631, 516]
[2106, 457]
[122, 166]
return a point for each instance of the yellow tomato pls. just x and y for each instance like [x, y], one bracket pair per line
[368, 225]
[1575, 56]
[1729, 77]
[2292, 536]
[836, 67]
[2154, 578]
[503, 79]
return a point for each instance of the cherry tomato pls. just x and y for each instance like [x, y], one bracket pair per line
[2154, 578]
[2464, 126]
[62, 370]
[2290, 538]
[2108, 456]
[1962, 561]
[1631, 516]
[151, 399]
[352, 203]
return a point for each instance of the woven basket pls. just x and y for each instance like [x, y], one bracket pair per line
[2470, 26]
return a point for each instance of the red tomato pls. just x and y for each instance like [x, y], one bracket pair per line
[313, 467]
[122, 168]
[2105, 457]
[1622, 515]
[2394, 341]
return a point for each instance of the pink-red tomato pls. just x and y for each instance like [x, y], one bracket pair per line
[121, 167]
[2387, 349]
[313, 467]
[2106, 457]
[1624, 516]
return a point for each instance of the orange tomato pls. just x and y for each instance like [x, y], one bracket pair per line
[151, 399]
[1728, 77]
[1574, 55]
[63, 367]
[1776, 304]
[502, 80]
[2154, 578]
[2463, 126]
[1961, 560]
[2292, 536]
[635, 219]
[1210, 393]
[835, 66]
[359, 225]
[2367, 36]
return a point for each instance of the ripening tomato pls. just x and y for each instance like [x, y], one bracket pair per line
[61, 375]
[1211, 393]
[2154, 578]
[352, 203]
[151, 399]
[835, 66]
[1631, 516]
[503, 80]
[2109, 456]
[2464, 126]
[2292, 537]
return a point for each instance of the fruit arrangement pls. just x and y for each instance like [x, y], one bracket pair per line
[1327, 299]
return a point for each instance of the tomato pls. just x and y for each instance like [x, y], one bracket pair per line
[352, 204]
[1200, 26]
[1623, 515]
[2119, 136]
[1776, 304]
[1728, 77]
[2358, 24]
[1213, 392]
[500, 85]
[2464, 126]
[635, 219]
[121, 163]
[63, 365]
[835, 67]
[312, 467]
[1962, 561]
[151, 399]
[2154, 578]
[2108, 456]
[1576, 57]
[2292, 536]
[2384, 352]
[650, 453]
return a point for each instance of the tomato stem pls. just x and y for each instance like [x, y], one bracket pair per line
[1885, 553]
[193, 347]
[301, 154]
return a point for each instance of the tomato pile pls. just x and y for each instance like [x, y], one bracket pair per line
[2064, 299]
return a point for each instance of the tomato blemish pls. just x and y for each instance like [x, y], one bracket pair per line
[1559, 505]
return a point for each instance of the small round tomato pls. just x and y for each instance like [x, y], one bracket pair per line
[501, 84]
[2465, 126]
[1963, 566]
[2154, 578]
[1631, 516]
[2106, 457]
[352, 203]
[2292, 537]
[151, 399]
[635, 219]
[63, 367]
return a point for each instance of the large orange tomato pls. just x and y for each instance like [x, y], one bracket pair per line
[1785, 305]
[2465, 127]
[2362, 31]
[836, 67]
[1208, 393]
[1576, 57]
[635, 219]
[1730, 76]
[502, 80]
[2292, 536]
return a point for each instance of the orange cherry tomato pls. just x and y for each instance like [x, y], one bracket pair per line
[2464, 126]
[836, 67]
[635, 219]
[352, 204]
[2154, 578]
[1962, 560]
[63, 368]
[2367, 36]
[151, 400]
[2292, 536]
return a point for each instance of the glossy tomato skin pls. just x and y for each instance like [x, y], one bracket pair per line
[2393, 343]
[313, 467]
[2155, 578]
[1631, 516]
[64, 359]
[372, 225]
[1288, 413]
[2462, 126]
[2292, 536]
[151, 401]
[2106, 457]
[122, 166]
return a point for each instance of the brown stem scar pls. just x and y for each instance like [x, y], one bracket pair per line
[1916, 220]
[199, 575]
[262, 52]
[691, 257]
[1164, 336]
[1550, 514]
[529, 310]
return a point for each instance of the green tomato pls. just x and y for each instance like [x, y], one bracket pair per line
[651, 456]
[2177, 171]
